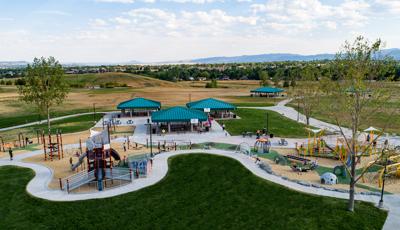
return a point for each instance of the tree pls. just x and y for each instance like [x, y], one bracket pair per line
[308, 94]
[263, 76]
[357, 98]
[45, 85]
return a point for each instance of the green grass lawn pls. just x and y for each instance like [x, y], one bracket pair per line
[199, 192]
[255, 119]
[68, 125]
[8, 120]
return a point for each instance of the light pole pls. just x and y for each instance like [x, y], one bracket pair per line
[151, 138]
[385, 155]
[94, 113]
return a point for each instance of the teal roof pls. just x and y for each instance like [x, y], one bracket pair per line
[211, 103]
[178, 114]
[267, 90]
[139, 103]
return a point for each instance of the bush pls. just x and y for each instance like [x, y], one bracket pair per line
[285, 84]
[212, 84]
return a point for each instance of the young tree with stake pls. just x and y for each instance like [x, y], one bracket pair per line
[45, 85]
[357, 97]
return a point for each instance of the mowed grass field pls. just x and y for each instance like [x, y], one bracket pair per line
[199, 192]
[382, 118]
[15, 112]
[67, 125]
[256, 119]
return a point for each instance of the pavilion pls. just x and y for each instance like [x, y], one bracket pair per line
[138, 107]
[216, 108]
[179, 119]
[267, 92]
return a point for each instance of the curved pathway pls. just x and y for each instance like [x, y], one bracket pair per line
[295, 115]
[38, 186]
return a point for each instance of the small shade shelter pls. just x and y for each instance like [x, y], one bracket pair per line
[216, 108]
[177, 119]
[266, 92]
[139, 106]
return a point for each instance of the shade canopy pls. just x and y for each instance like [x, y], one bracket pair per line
[139, 103]
[267, 90]
[210, 103]
[372, 129]
[178, 114]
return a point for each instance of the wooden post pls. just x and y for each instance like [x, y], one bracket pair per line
[44, 146]
[51, 148]
[62, 147]
[58, 145]
[60, 181]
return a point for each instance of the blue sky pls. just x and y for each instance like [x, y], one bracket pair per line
[161, 30]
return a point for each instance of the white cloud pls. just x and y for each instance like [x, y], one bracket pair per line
[53, 12]
[393, 6]
[121, 20]
[300, 15]
[195, 1]
[116, 1]
[98, 22]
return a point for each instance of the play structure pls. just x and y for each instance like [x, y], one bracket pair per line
[301, 164]
[392, 169]
[53, 147]
[316, 146]
[100, 159]
[329, 178]
[262, 145]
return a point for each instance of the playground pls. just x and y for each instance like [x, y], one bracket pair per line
[128, 149]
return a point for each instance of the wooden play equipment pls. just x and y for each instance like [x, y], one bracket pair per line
[52, 149]
[101, 173]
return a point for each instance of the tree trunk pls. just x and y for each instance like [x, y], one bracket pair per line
[352, 186]
[48, 119]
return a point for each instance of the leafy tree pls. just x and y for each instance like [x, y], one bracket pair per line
[263, 76]
[357, 99]
[45, 85]
[212, 84]
[308, 94]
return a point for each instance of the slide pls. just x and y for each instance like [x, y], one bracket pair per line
[329, 147]
[115, 155]
[81, 157]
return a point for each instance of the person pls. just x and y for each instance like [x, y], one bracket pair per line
[368, 138]
[258, 134]
[10, 152]
[70, 161]
[124, 147]
[257, 160]
[223, 127]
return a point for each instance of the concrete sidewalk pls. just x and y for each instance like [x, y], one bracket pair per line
[38, 185]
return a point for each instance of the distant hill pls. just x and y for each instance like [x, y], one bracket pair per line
[395, 53]
[132, 80]
[12, 64]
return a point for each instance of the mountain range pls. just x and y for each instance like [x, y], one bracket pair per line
[272, 57]
[394, 53]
